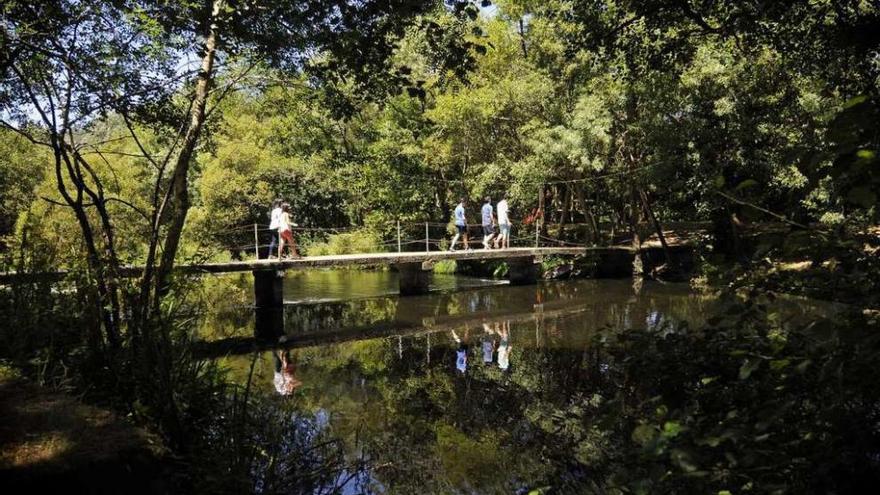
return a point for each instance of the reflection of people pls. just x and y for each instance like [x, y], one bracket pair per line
[653, 320]
[285, 373]
[488, 343]
[504, 346]
[461, 353]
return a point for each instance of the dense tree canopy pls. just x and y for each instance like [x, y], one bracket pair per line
[150, 133]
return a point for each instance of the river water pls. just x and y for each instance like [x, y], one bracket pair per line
[468, 389]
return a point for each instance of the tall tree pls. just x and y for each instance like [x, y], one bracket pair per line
[68, 65]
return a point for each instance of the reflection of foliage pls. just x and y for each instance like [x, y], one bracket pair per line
[259, 445]
[739, 406]
[748, 399]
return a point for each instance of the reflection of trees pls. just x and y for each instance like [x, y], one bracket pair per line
[426, 429]
[583, 403]
[259, 443]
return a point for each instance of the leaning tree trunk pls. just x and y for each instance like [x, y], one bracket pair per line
[178, 189]
[658, 228]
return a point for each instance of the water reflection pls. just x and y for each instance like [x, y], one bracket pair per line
[285, 379]
[504, 346]
[393, 378]
[487, 343]
[607, 303]
[461, 354]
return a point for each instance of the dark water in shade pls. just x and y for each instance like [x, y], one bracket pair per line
[457, 391]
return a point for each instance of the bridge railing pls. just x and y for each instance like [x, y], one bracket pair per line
[406, 236]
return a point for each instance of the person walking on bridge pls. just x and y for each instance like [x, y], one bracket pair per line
[274, 219]
[460, 225]
[285, 232]
[503, 239]
[488, 218]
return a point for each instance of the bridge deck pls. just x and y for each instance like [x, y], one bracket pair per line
[340, 261]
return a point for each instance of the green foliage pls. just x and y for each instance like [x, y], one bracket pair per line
[386, 112]
[22, 166]
[445, 266]
[740, 396]
[362, 241]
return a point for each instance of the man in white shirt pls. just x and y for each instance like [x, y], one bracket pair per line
[274, 223]
[503, 239]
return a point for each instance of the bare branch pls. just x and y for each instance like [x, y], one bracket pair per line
[130, 205]
[764, 210]
[24, 134]
[64, 205]
[228, 87]
[138, 141]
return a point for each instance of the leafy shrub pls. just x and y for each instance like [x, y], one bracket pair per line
[445, 266]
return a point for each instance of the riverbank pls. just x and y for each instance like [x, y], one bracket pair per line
[814, 267]
[51, 440]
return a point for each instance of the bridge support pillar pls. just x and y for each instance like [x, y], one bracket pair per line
[616, 263]
[268, 324]
[268, 289]
[414, 278]
[523, 270]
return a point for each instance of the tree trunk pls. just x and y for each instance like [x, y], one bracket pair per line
[591, 229]
[658, 228]
[178, 189]
[522, 38]
[635, 220]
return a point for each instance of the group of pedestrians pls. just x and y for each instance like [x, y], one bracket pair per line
[496, 229]
[281, 230]
[492, 238]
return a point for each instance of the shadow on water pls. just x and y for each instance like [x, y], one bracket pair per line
[499, 389]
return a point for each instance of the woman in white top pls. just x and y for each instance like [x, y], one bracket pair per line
[285, 232]
[274, 219]
[503, 239]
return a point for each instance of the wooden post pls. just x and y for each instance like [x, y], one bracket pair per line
[427, 239]
[537, 231]
[256, 243]
[539, 214]
[398, 236]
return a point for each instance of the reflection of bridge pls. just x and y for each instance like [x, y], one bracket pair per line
[270, 325]
[415, 268]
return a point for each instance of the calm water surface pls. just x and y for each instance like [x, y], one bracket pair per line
[457, 391]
